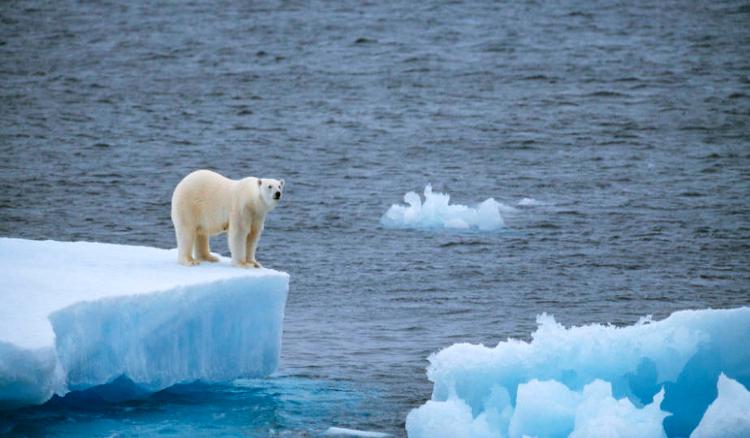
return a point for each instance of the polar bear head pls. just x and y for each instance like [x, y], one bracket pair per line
[271, 191]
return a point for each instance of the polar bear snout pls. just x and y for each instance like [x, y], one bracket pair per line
[277, 195]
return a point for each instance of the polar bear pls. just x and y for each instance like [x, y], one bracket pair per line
[205, 203]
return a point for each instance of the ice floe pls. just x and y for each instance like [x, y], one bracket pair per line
[651, 379]
[436, 212]
[74, 315]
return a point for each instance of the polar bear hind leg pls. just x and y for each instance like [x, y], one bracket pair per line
[202, 250]
[185, 243]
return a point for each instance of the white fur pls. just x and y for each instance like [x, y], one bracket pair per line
[205, 203]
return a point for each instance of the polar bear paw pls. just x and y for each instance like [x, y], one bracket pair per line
[248, 265]
[209, 258]
[189, 262]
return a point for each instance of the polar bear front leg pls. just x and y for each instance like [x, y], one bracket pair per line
[252, 243]
[236, 238]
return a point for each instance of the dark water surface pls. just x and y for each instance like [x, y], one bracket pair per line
[629, 120]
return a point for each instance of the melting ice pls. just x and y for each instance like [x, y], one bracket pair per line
[687, 374]
[531, 202]
[437, 213]
[77, 315]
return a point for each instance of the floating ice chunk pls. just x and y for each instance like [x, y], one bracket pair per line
[437, 213]
[729, 415]
[597, 375]
[530, 202]
[342, 431]
[77, 315]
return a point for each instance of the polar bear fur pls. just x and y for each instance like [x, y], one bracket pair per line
[205, 203]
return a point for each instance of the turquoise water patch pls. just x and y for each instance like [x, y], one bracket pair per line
[247, 407]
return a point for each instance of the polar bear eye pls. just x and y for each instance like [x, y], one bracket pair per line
[269, 186]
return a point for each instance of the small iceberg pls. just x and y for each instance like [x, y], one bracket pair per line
[437, 213]
[76, 315]
[531, 202]
[342, 431]
[651, 379]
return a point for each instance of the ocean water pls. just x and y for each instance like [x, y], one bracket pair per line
[627, 123]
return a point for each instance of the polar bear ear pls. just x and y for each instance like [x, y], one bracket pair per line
[260, 182]
[282, 183]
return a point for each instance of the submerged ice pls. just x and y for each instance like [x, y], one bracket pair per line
[652, 379]
[436, 212]
[78, 315]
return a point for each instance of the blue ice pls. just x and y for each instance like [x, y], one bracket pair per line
[651, 379]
